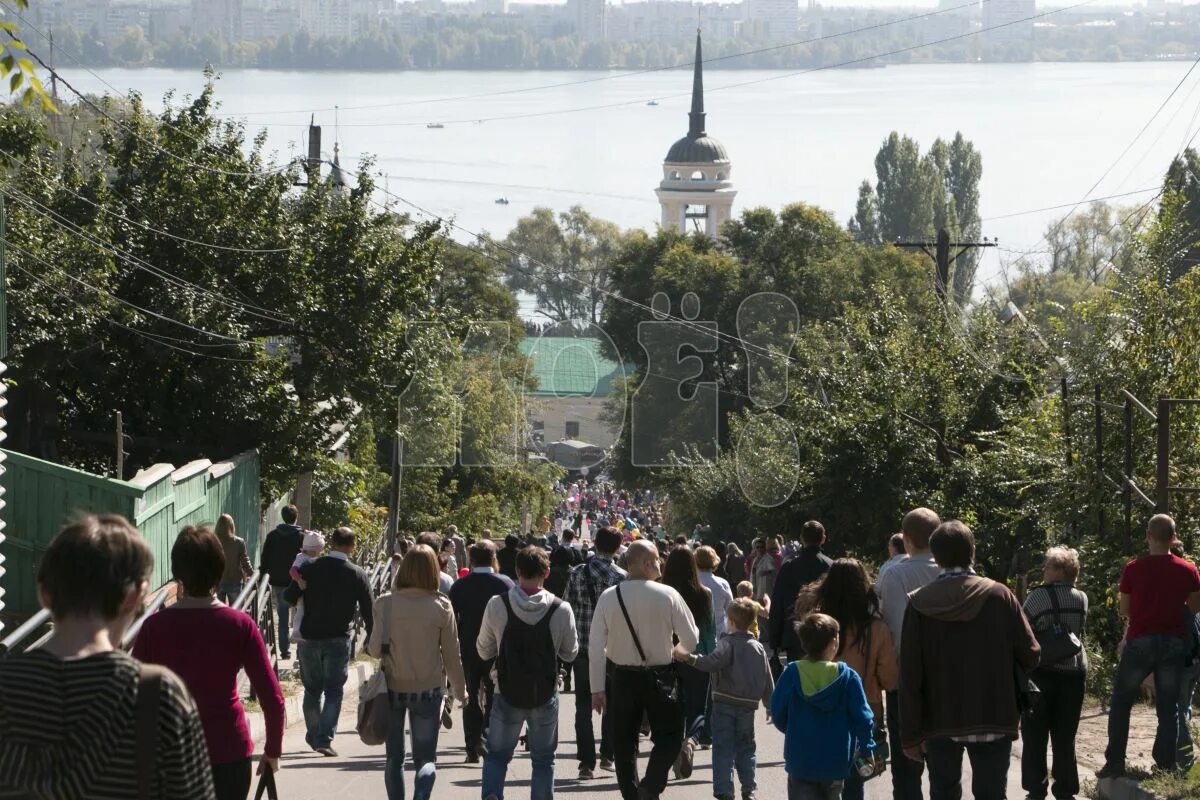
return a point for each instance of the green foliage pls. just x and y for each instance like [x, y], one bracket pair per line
[18, 69]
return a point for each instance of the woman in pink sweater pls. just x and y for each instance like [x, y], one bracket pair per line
[207, 644]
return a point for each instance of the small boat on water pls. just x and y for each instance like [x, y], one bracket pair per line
[501, 201]
[652, 103]
[435, 126]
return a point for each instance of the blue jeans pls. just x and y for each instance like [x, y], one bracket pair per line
[284, 625]
[1161, 655]
[1186, 757]
[228, 591]
[426, 710]
[324, 665]
[503, 732]
[733, 746]
[694, 687]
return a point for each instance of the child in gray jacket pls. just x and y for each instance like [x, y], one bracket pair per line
[741, 680]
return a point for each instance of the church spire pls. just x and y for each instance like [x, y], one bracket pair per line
[696, 117]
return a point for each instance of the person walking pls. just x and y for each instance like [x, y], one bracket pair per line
[528, 631]
[68, 708]
[332, 588]
[896, 554]
[587, 582]
[822, 710]
[1153, 592]
[208, 644]
[962, 624]
[507, 557]
[808, 565]
[633, 626]
[708, 562]
[416, 621]
[741, 680]
[682, 575]
[279, 550]
[1055, 716]
[865, 644]
[894, 587]
[766, 567]
[434, 542]
[735, 564]
[237, 561]
[469, 596]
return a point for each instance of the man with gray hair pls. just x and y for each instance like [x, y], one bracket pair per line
[634, 626]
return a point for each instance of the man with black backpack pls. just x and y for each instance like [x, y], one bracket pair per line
[527, 631]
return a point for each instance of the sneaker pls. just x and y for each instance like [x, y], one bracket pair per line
[687, 755]
[606, 764]
[473, 758]
[1110, 771]
[327, 751]
[706, 745]
[586, 774]
[748, 796]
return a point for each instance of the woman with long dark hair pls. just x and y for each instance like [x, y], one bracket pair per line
[682, 575]
[847, 594]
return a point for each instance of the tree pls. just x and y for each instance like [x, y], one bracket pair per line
[864, 227]
[17, 68]
[908, 189]
[565, 261]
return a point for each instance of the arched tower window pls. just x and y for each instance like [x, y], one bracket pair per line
[698, 175]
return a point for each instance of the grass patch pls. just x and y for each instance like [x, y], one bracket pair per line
[1174, 787]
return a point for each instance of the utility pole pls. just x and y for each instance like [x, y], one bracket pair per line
[53, 72]
[120, 448]
[942, 257]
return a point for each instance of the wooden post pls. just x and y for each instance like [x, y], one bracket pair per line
[120, 448]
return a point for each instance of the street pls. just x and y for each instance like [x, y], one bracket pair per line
[357, 772]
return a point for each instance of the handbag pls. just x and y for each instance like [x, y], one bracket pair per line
[1028, 693]
[1057, 641]
[150, 679]
[664, 676]
[374, 699]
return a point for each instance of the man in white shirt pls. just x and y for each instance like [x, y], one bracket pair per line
[643, 681]
[894, 586]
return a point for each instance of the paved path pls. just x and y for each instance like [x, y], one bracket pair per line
[357, 772]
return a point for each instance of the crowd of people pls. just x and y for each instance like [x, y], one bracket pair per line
[673, 641]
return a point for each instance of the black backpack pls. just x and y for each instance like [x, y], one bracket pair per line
[527, 664]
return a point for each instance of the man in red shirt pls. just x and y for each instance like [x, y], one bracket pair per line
[1154, 588]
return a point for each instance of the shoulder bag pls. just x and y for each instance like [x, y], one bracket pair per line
[266, 785]
[374, 699]
[1057, 641]
[664, 675]
[145, 723]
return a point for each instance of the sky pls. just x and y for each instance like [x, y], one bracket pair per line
[894, 3]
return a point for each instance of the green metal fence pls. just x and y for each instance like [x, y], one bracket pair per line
[41, 497]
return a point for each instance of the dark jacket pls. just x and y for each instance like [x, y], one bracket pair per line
[334, 587]
[280, 549]
[961, 637]
[796, 573]
[507, 558]
[470, 596]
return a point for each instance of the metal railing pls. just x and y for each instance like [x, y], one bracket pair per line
[40, 623]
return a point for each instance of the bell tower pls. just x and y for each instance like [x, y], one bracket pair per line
[696, 193]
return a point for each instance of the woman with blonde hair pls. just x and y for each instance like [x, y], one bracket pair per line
[237, 561]
[1055, 717]
[416, 638]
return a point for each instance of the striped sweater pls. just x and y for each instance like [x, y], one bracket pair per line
[67, 731]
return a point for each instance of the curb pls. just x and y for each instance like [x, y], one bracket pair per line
[1121, 789]
[293, 709]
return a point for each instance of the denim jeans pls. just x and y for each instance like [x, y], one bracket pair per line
[324, 665]
[425, 709]
[733, 746]
[585, 731]
[1186, 757]
[1161, 655]
[989, 768]
[906, 773]
[693, 686]
[228, 591]
[284, 624]
[813, 790]
[503, 732]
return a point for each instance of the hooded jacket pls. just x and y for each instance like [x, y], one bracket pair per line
[824, 731]
[530, 609]
[964, 635]
[741, 674]
[279, 551]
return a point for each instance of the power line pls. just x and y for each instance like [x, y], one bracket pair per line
[134, 261]
[618, 76]
[1069, 205]
[124, 302]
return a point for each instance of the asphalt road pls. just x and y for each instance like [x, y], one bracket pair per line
[357, 772]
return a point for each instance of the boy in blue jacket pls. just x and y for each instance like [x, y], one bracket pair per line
[821, 707]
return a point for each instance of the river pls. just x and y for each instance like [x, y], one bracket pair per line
[1047, 133]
